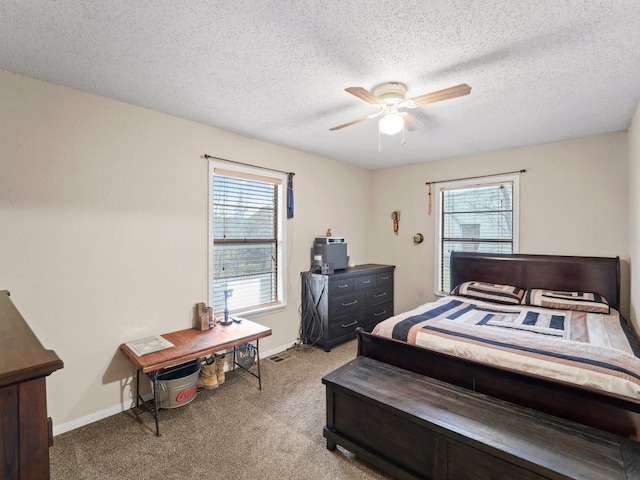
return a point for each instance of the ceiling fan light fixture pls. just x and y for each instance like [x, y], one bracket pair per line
[391, 124]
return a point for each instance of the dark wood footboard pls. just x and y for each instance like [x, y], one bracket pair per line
[582, 405]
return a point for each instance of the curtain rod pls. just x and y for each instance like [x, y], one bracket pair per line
[477, 176]
[466, 178]
[209, 157]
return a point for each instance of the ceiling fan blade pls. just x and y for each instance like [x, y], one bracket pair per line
[348, 124]
[445, 94]
[411, 123]
[358, 120]
[364, 94]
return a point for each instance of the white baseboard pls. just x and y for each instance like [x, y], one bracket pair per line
[122, 407]
[93, 417]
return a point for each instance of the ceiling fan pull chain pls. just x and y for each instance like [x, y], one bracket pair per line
[379, 141]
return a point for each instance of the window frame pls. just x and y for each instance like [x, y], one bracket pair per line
[280, 178]
[471, 183]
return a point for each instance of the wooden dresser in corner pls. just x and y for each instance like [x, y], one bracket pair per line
[334, 305]
[25, 430]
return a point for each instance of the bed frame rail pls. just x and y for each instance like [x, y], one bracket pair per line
[582, 405]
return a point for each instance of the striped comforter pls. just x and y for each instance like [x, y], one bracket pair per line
[587, 349]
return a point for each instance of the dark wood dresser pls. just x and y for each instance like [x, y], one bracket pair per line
[25, 430]
[334, 305]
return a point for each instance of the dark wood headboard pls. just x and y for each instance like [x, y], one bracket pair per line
[553, 272]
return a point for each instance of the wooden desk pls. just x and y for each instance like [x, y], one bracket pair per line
[191, 344]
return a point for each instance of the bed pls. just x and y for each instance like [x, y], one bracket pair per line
[610, 401]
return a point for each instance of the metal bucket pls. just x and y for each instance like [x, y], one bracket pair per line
[177, 385]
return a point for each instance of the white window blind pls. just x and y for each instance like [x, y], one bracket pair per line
[245, 227]
[480, 217]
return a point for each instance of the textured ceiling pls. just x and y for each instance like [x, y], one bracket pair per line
[277, 70]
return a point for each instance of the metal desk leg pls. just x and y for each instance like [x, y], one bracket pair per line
[233, 363]
[155, 401]
[258, 358]
[137, 387]
[154, 409]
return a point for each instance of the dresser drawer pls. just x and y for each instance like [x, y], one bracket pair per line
[345, 304]
[338, 286]
[375, 314]
[345, 326]
[384, 278]
[377, 295]
[364, 281]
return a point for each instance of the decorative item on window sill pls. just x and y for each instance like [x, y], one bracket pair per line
[418, 238]
[395, 216]
[204, 316]
[227, 293]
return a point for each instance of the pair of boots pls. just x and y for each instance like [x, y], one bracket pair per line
[212, 372]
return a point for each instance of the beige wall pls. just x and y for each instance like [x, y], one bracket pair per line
[574, 201]
[103, 229]
[634, 216]
[103, 224]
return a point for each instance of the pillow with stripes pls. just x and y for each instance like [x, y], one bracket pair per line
[490, 292]
[579, 301]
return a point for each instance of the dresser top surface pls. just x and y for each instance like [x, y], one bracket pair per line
[362, 269]
[22, 356]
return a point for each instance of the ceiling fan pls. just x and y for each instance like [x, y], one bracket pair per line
[389, 98]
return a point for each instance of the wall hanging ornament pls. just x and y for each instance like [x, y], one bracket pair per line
[395, 216]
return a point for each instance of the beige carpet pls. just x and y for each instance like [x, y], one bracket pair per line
[234, 432]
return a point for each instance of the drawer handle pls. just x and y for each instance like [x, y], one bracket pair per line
[343, 286]
[385, 278]
[350, 324]
[380, 295]
[379, 313]
[348, 304]
[366, 281]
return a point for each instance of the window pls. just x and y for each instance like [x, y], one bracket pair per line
[246, 239]
[475, 216]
